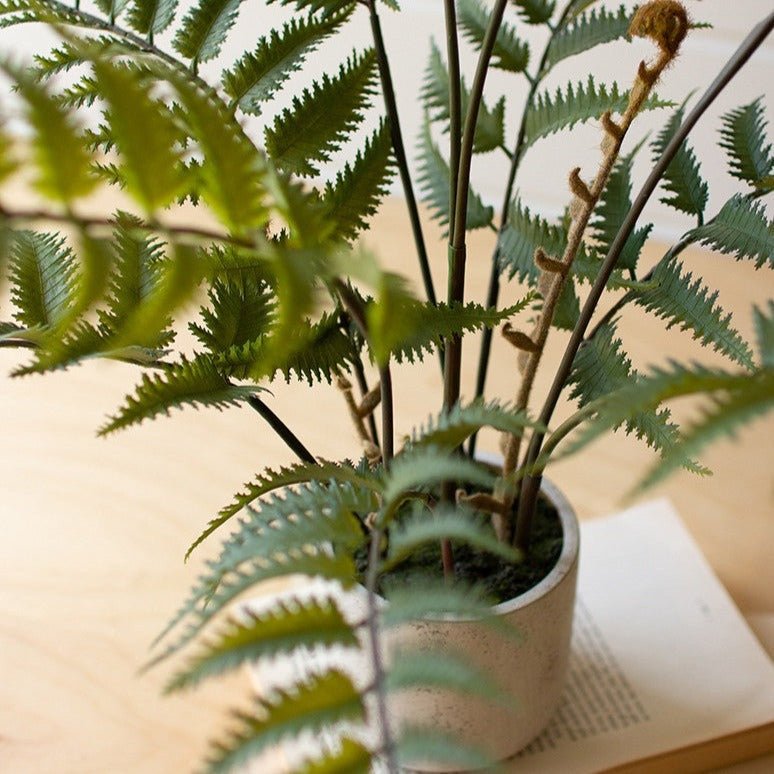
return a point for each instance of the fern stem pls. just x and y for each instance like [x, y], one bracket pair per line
[377, 662]
[281, 429]
[531, 484]
[493, 291]
[455, 104]
[362, 384]
[457, 247]
[355, 310]
[393, 120]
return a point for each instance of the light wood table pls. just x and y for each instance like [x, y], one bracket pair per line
[93, 531]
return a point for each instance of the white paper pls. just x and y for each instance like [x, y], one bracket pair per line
[661, 657]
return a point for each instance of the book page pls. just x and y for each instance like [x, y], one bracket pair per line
[661, 657]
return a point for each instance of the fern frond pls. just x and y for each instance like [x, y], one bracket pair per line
[725, 416]
[601, 368]
[13, 12]
[434, 184]
[283, 628]
[188, 383]
[450, 428]
[312, 706]
[350, 756]
[743, 137]
[238, 313]
[522, 235]
[145, 134]
[68, 55]
[741, 229]
[416, 744]
[43, 276]
[674, 297]
[535, 11]
[204, 29]
[437, 599]
[112, 8]
[355, 193]
[152, 17]
[490, 122]
[510, 52]
[429, 324]
[610, 212]
[576, 104]
[270, 481]
[321, 119]
[62, 163]
[232, 169]
[328, 7]
[260, 73]
[458, 524]
[587, 31]
[423, 467]
[687, 190]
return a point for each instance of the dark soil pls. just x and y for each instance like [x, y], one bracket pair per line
[501, 580]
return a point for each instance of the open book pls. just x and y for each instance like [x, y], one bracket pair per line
[665, 675]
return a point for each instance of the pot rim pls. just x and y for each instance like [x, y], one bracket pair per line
[567, 560]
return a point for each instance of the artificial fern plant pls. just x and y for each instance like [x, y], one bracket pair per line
[287, 292]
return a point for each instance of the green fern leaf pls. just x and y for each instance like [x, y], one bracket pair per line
[144, 135]
[13, 12]
[450, 429]
[490, 122]
[239, 312]
[112, 8]
[271, 480]
[417, 744]
[260, 73]
[43, 276]
[579, 103]
[152, 17]
[425, 326]
[456, 523]
[350, 756]
[741, 229]
[188, 383]
[587, 31]
[425, 466]
[232, 170]
[725, 416]
[743, 137]
[62, 163]
[68, 55]
[675, 298]
[434, 183]
[135, 278]
[355, 194]
[687, 190]
[328, 7]
[437, 599]
[321, 119]
[535, 11]
[610, 212]
[522, 235]
[764, 334]
[204, 29]
[510, 52]
[312, 706]
[175, 283]
[600, 369]
[282, 629]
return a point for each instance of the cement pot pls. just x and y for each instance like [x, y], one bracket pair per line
[531, 667]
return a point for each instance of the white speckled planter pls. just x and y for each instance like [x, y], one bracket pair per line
[532, 669]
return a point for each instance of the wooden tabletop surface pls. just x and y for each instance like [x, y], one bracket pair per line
[94, 530]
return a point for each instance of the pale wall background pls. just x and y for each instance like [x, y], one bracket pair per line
[542, 177]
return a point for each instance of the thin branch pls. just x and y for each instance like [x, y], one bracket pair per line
[281, 429]
[362, 384]
[531, 484]
[455, 104]
[393, 120]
